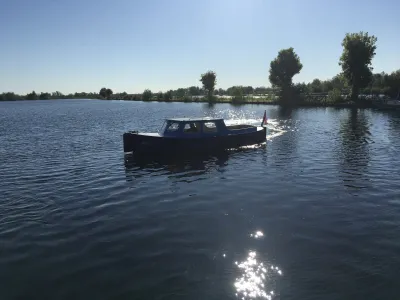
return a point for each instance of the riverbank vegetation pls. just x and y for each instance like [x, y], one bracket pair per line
[355, 85]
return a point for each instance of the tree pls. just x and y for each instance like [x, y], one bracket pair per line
[103, 92]
[160, 96]
[301, 88]
[208, 80]
[194, 91]
[57, 95]
[180, 93]
[358, 51]
[248, 90]
[168, 95]
[10, 96]
[282, 69]
[237, 93]
[393, 82]
[339, 82]
[147, 94]
[32, 96]
[221, 92]
[316, 86]
[109, 92]
[44, 96]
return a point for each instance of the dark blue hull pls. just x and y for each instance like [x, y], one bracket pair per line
[147, 144]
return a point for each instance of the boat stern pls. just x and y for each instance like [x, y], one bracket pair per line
[130, 141]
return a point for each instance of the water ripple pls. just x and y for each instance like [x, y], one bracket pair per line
[79, 219]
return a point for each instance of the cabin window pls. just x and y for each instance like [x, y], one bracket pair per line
[173, 127]
[191, 128]
[209, 127]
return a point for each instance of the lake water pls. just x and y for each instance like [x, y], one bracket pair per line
[313, 214]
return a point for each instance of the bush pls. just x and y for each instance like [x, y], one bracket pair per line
[335, 96]
[237, 94]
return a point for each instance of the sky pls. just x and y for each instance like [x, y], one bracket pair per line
[130, 45]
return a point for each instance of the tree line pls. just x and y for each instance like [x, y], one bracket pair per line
[356, 78]
[107, 93]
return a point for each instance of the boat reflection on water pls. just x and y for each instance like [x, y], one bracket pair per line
[182, 166]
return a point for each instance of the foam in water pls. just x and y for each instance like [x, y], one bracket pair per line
[273, 129]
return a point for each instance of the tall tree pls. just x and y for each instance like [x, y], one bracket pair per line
[103, 92]
[209, 81]
[281, 72]
[109, 92]
[358, 52]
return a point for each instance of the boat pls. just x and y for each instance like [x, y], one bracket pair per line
[202, 134]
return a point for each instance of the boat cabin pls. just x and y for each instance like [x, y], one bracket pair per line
[200, 127]
[192, 126]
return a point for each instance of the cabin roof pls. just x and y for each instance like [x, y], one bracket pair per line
[194, 119]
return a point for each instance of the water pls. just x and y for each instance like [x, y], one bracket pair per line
[313, 214]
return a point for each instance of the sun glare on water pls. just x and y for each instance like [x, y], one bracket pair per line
[254, 275]
[273, 127]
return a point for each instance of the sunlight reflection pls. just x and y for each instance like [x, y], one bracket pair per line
[274, 130]
[258, 234]
[252, 283]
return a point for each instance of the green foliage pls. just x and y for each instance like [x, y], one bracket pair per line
[57, 95]
[221, 92]
[44, 96]
[32, 96]
[168, 95]
[160, 96]
[109, 92]
[187, 98]
[393, 83]
[281, 72]
[316, 86]
[335, 96]
[180, 93]
[358, 52]
[284, 67]
[237, 94]
[300, 88]
[195, 91]
[10, 97]
[209, 81]
[105, 93]
[147, 94]
[263, 90]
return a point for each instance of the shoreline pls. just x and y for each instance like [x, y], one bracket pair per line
[235, 103]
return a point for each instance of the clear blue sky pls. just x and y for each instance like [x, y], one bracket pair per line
[128, 45]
